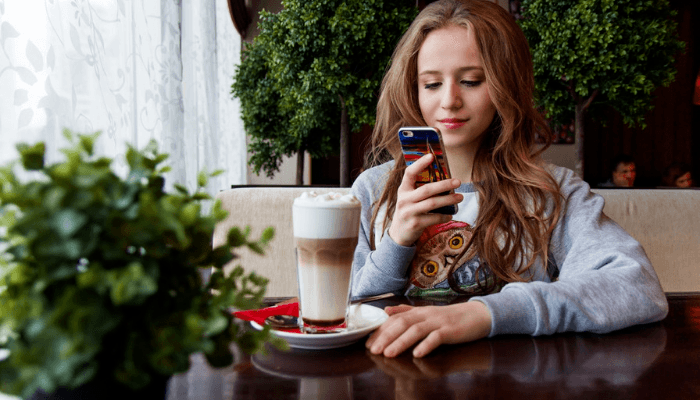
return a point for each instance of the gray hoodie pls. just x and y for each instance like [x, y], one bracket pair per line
[599, 280]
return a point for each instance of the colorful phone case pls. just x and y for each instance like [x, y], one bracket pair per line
[415, 143]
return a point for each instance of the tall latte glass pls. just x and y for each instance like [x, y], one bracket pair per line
[325, 235]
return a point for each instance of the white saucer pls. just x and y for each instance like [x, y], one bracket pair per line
[362, 319]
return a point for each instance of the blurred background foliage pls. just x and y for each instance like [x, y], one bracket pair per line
[593, 54]
[312, 76]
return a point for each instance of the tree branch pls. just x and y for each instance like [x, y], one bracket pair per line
[590, 100]
[572, 92]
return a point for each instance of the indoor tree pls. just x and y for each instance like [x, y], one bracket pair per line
[591, 54]
[312, 75]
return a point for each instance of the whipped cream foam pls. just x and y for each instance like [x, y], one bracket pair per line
[326, 216]
[330, 199]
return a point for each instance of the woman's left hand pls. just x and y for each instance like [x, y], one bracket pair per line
[431, 325]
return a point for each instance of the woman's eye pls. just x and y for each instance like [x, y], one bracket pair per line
[471, 83]
[432, 85]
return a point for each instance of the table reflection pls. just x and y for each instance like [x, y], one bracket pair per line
[649, 361]
[574, 363]
[325, 374]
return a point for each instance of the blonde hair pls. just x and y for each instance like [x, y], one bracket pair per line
[514, 225]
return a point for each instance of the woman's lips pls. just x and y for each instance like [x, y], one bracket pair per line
[453, 123]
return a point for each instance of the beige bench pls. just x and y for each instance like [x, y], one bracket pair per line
[665, 222]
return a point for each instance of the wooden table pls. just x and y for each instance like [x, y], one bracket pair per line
[655, 361]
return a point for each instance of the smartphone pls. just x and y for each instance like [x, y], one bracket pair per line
[417, 141]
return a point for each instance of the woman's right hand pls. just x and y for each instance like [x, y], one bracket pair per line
[413, 206]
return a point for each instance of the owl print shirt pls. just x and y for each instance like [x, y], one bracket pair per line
[443, 265]
[604, 279]
[440, 259]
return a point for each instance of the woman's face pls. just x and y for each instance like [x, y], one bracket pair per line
[452, 91]
[684, 180]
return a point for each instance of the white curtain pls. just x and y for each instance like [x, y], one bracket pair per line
[135, 70]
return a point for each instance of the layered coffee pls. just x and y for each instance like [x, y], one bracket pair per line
[325, 268]
[325, 234]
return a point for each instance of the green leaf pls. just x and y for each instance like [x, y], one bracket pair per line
[181, 189]
[202, 179]
[268, 234]
[87, 142]
[256, 247]
[189, 214]
[236, 237]
[32, 156]
[60, 249]
[130, 285]
[68, 222]
[220, 356]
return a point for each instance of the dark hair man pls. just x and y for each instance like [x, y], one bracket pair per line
[623, 173]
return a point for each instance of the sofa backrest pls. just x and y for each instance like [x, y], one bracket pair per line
[259, 208]
[665, 222]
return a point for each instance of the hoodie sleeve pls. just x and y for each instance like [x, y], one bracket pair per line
[382, 270]
[605, 283]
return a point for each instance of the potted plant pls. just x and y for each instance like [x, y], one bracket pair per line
[100, 276]
[312, 76]
[589, 55]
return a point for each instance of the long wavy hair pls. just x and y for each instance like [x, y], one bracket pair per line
[519, 201]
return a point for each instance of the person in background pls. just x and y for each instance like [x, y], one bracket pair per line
[677, 175]
[623, 174]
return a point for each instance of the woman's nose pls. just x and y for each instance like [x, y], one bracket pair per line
[451, 97]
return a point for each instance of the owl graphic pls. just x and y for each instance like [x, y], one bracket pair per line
[440, 250]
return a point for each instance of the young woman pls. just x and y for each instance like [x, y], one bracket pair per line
[530, 241]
